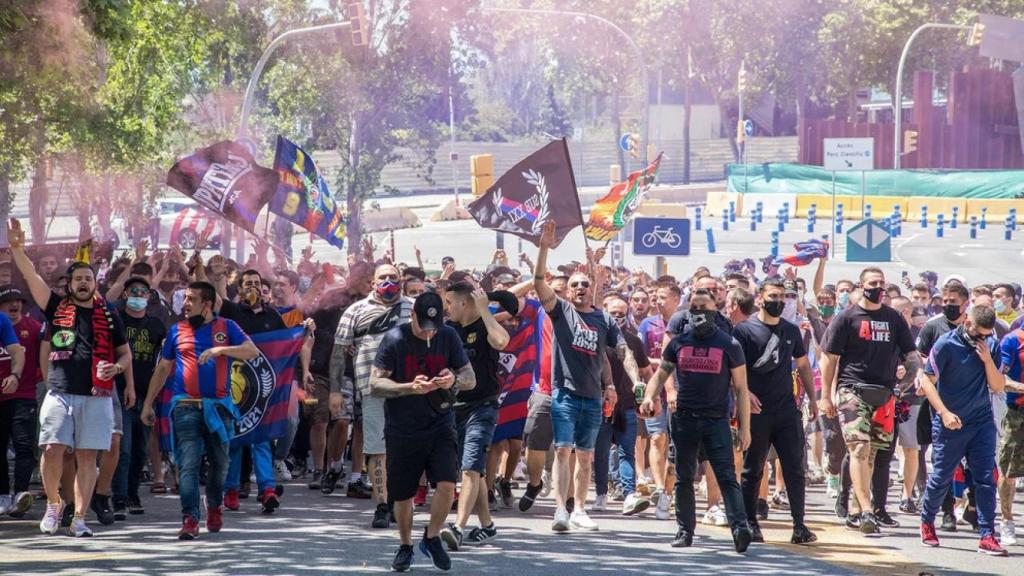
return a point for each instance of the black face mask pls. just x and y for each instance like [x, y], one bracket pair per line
[951, 312]
[703, 324]
[774, 308]
[873, 295]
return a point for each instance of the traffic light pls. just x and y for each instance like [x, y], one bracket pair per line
[481, 171]
[741, 80]
[357, 22]
[977, 30]
[909, 141]
[634, 145]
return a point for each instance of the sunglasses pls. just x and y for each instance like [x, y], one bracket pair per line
[580, 284]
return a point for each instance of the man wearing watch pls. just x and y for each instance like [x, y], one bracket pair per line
[88, 349]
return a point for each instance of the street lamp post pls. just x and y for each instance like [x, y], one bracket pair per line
[643, 88]
[898, 97]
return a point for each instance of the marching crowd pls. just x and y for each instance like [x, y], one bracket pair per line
[417, 388]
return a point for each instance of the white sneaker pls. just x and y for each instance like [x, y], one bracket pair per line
[579, 519]
[282, 472]
[832, 491]
[51, 519]
[545, 479]
[661, 510]
[5, 504]
[78, 529]
[600, 503]
[656, 496]
[709, 516]
[635, 503]
[1007, 533]
[22, 503]
[561, 522]
[719, 518]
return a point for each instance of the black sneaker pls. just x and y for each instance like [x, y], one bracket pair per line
[907, 506]
[971, 516]
[380, 516]
[101, 506]
[481, 535]
[505, 489]
[853, 521]
[526, 500]
[869, 524]
[120, 509]
[755, 534]
[452, 536]
[403, 560]
[883, 518]
[314, 484]
[492, 502]
[330, 482]
[842, 509]
[135, 505]
[360, 490]
[683, 539]
[948, 523]
[433, 548]
[570, 504]
[67, 515]
[762, 509]
[801, 535]
[741, 539]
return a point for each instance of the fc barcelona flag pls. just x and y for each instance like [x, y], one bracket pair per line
[302, 196]
[225, 178]
[262, 387]
[611, 213]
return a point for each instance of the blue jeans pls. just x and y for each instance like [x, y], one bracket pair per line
[134, 451]
[976, 441]
[575, 420]
[192, 440]
[689, 433]
[476, 429]
[625, 442]
[262, 463]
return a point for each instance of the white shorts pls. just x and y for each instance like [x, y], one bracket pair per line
[373, 425]
[907, 431]
[76, 421]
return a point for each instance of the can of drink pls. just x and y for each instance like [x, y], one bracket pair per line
[638, 391]
[607, 409]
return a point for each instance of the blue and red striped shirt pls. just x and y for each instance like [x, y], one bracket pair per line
[1011, 356]
[184, 345]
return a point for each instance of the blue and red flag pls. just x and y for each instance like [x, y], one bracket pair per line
[302, 195]
[806, 252]
[518, 370]
[262, 387]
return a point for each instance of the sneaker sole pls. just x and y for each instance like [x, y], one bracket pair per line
[21, 506]
[449, 539]
[479, 542]
[559, 527]
[743, 539]
[525, 504]
[426, 552]
[932, 544]
[993, 552]
[640, 507]
[270, 506]
[186, 537]
[586, 528]
[868, 527]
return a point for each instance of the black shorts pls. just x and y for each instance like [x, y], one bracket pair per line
[409, 458]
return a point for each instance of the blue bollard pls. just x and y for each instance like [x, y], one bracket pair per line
[839, 218]
[775, 244]
[924, 216]
[780, 221]
[760, 212]
[974, 227]
[812, 214]
[725, 221]
[785, 211]
[867, 212]
[711, 241]
[696, 219]
[984, 209]
[1008, 229]
[732, 211]
[753, 221]
[1013, 219]
[939, 223]
[956, 216]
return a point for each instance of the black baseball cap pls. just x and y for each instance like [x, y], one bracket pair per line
[429, 310]
[10, 294]
[137, 280]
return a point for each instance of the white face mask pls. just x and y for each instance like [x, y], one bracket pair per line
[789, 312]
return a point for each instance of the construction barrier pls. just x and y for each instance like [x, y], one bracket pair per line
[997, 209]
[718, 202]
[770, 203]
[663, 210]
[936, 206]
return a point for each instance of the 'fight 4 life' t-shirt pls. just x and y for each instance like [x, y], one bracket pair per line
[579, 342]
[770, 351]
[703, 371]
[869, 344]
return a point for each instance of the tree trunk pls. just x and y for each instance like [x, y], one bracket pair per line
[617, 126]
[353, 200]
[5, 204]
[730, 129]
[38, 199]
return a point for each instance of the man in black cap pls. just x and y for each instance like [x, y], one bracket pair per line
[419, 368]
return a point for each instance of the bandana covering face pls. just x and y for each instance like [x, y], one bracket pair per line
[63, 339]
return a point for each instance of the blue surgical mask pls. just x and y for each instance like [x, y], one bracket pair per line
[844, 299]
[137, 303]
[999, 306]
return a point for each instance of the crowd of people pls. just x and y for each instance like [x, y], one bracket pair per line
[443, 387]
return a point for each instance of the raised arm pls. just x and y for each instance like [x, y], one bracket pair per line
[819, 276]
[36, 285]
[117, 288]
[497, 336]
[544, 291]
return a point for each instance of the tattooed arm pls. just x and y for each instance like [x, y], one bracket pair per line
[382, 386]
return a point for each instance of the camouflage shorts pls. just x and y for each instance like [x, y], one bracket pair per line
[1011, 447]
[862, 423]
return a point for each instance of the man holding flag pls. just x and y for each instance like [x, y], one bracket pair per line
[199, 350]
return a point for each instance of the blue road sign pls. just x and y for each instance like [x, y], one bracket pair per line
[869, 241]
[624, 142]
[661, 237]
[748, 127]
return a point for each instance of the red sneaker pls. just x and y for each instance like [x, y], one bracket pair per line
[189, 528]
[928, 537]
[989, 545]
[269, 500]
[231, 499]
[421, 497]
[214, 519]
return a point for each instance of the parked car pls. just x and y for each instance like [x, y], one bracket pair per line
[183, 222]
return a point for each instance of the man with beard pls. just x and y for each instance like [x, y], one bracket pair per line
[360, 331]
[88, 349]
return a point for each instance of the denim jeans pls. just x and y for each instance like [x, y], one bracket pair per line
[689, 432]
[625, 442]
[475, 429]
[575, 420]
[262, 461]
[134, 451]
[283, 445]
[18, 425]
[192, 440]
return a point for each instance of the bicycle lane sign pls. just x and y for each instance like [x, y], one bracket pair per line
[661, 237]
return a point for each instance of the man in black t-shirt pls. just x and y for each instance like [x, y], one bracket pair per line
[417, 369]
[476, 410]
[862, 350]
[708, 364]
[88, 349]
[770, 345]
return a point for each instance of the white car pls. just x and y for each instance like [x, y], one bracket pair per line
[183, 222]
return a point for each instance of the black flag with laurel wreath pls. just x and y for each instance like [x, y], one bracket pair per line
[539, 188]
